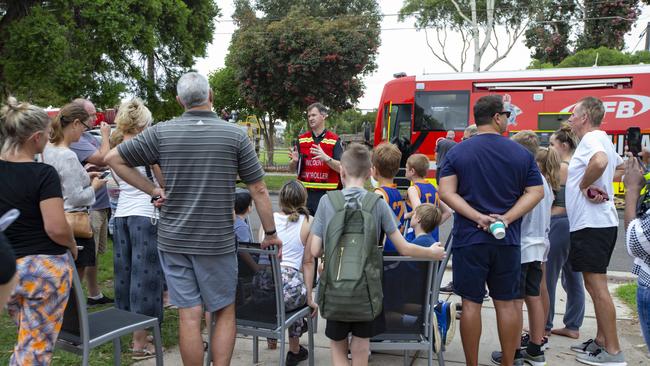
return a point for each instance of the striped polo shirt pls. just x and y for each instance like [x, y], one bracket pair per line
[200, 156]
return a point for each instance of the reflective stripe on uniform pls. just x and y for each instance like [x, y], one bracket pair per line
[314, 185]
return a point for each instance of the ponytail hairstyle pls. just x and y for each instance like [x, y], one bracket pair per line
[132, 117]
[293, 200]
[67, 115]
[18, 122]
[566, 136]
[549, 160]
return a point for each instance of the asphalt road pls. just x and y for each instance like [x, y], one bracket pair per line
[620, 261]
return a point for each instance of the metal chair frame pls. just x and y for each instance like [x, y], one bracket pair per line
[384, 342]
[88, 321]
[283, 319]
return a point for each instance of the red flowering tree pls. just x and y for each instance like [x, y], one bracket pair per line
[313, 53]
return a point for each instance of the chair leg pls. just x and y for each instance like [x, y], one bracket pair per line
[158, 344]
[406, 358]
[282, 339]
[256, 349]
[117, 352]
[85, 361]
[310, 335]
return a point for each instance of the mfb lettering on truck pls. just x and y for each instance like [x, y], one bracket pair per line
[415, 111]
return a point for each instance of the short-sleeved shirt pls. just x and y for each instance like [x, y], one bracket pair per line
[85, 148]
[637, 241]
[492, 173]
[442, 147]
[581, 212]
[386, 220]
[242, 230]
[200, 156]
[424, 240]
[23, 186]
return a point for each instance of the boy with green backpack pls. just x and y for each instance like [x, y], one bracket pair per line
[347, 229]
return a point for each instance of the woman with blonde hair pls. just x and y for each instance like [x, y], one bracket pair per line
[39, 237]
[77, 185]
[138, 275]
[564, 142]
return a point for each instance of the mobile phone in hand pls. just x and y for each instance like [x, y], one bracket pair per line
[105, 174]
[634, 140]
[592, 193]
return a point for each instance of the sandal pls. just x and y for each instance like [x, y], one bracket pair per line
[142, 354]
[148, 351]
[149, 340]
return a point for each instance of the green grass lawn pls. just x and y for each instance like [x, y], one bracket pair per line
[280, 156]
[627, 293]
[102, 355]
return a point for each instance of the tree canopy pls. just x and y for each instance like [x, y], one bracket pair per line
[564, 27]
[476, 21]
[53, 51]
[300, 52]
[601, 56]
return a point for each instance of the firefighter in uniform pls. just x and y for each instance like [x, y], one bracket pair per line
[317, 157]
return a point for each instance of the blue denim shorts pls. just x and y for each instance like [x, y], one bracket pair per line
[497, 265]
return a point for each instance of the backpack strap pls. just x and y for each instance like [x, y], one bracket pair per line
[369, 201]
[337, 200]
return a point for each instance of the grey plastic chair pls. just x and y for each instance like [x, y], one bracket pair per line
[83, 331]
[424, 278]
[260, 309]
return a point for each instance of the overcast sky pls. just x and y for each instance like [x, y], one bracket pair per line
[402, 49]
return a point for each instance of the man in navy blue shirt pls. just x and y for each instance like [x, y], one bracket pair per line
[485, 179]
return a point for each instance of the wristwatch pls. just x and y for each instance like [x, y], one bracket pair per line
[269, 233]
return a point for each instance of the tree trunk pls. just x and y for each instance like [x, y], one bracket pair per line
[475, 36]
[268, 140]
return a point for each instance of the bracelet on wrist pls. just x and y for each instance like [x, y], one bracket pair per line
[269, 233]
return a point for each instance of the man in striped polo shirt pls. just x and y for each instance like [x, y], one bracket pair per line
[200, 156]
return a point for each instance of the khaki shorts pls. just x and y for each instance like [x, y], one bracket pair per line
[99, 223]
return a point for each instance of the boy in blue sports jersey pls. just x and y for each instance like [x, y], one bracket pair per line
[385, 165]
[422, 191]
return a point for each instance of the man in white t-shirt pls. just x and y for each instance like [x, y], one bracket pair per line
[593, 223]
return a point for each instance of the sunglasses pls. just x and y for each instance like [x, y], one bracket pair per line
[507, 113]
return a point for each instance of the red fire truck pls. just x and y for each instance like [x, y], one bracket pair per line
[415, 111]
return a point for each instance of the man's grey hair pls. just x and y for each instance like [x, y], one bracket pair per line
[471, 130]
[193, 90]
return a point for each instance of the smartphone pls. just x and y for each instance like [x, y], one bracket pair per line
[591, 194]
[105, 174]
[80, 247]
[634, 140]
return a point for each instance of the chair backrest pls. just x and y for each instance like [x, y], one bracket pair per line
[260, 300]
[75, 317]
[408, 294]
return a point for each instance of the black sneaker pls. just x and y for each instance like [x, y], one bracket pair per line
[294, 358]
[497, 356]
[448, 288]
[525, 339]
[101, 301]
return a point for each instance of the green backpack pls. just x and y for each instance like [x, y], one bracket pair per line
[350, 285]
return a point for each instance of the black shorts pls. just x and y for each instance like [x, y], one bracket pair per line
[85, 257]
[338, 331]
[591, 249]
[531, 279]
[497, 265]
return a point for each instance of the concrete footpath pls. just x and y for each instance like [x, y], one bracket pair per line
[558, 354]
